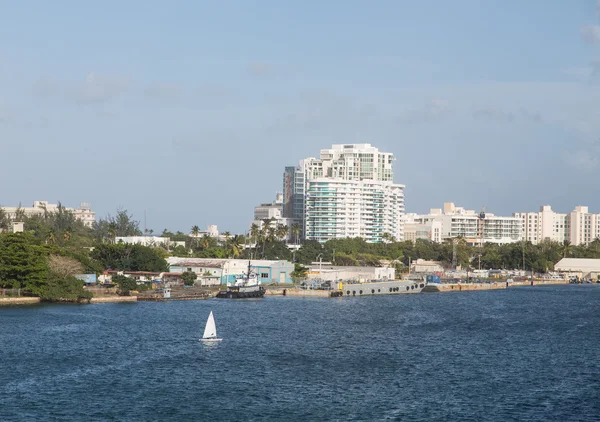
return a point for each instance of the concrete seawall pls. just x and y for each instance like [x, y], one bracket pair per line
[113, 299]
[460, 287]
[298, 292]
[9, 301]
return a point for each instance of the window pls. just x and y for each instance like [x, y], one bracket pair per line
[264, 275]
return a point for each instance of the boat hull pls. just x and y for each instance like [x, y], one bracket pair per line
[210, 340]
[241, 293]
[382, 288]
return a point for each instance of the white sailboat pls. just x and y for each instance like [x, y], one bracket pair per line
[210, 331]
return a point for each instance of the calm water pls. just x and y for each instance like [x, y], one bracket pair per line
[528, 353]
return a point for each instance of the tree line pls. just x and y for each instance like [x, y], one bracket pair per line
[56, 246]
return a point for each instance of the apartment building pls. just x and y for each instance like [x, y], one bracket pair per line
[342, 166]
[475, 227]
[578, 227]
[83, 213]
[337, 208]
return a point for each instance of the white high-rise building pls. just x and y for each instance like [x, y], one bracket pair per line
[475, 228]
[578, 227]
[350, 163]
[545, 224]
[337, 208]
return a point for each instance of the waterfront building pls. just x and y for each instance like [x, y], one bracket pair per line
[328, 272]
[579, 227]
[475, 228]
[83, 213]
[337, 208]
[354, 170]
[579, 267]
[230, 270]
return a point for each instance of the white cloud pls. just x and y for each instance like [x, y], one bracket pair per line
[434, 109]
[100, 88]
[163, 90]
[493, 113]
[581, 73]
[582, 160]
[591, 34]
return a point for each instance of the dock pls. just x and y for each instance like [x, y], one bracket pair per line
[462, 287]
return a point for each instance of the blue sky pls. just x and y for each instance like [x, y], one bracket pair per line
[190, 110]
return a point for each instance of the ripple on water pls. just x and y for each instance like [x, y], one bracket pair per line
[518, 354]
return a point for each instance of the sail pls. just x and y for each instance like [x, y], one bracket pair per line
[211, 329]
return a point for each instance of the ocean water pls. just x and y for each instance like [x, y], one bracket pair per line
[522, 354]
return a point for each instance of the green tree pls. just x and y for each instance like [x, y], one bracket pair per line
[5, 222]
[296, 231]
[22, 262]
[299, 273]
[127, 257]
[236, 245]
[189, 277]
[60, 287]
[122, 224]
[126, 284]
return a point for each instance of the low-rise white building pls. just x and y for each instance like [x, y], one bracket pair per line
[230, 270]
[582, 267]
[83, 213]
[154, 241]
[475, 228]
[347, 273]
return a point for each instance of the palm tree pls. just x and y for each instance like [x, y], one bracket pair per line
[19, 213]
[281, 231]
[387, 238]
[566, 248]
[226, 235]
[235, 244]
[112, 231]
[296, 231]
[255, 232]
[195, 233]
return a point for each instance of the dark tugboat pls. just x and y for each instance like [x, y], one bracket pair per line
[246, 287]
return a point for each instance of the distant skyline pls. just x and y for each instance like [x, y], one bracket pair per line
[190, 110]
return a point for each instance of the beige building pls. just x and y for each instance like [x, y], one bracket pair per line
[83, 213]
[578, 227]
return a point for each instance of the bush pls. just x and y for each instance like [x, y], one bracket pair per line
[126, 284]
[62, 288]
[189, 278]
